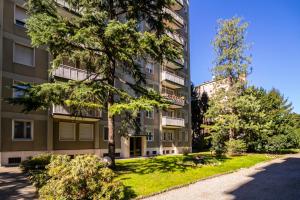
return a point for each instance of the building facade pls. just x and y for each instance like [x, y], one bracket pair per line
[23, 135]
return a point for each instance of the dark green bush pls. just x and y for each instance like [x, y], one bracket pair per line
[235, 147]
[38, 162]
[276, 144]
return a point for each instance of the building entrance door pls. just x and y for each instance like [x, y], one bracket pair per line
[135, 146]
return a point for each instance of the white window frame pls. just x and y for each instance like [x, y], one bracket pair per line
[152, 114]
[152, 133]
[80, 139]
[148, 70]
[15, 20]
[13, 129]
[104, 134]
[74, 133]
[25, 45]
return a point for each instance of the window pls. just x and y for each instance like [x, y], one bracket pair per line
[23, 55]
[18, 90]
[105, 134]
[186, 136]
[150, 68]
[149, 114]
[67, 131]
[168, 136]
[22, 130]
[86, 132]
[20, 16]
[149, 135]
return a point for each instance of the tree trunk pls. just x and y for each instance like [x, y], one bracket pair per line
[111, 134]
[110, 119]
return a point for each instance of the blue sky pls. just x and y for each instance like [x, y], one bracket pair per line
[274, 32]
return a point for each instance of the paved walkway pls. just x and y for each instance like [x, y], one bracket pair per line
[14, 185]
[278, 179]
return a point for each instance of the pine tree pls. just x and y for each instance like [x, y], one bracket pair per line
[231, 67]
[103, 37]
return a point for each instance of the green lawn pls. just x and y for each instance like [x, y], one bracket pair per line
[147, 176]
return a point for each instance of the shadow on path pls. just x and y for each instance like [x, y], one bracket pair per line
[15, 185]
[280, 181]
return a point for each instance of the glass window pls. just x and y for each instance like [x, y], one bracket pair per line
[20, 16]
[105, 133]
[150, 68]
[150, 136]
[22, 130]
[18, 90]
[149, 114]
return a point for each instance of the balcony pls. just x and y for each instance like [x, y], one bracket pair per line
[64, 112]
[177, 102]
[68, 72]
[177, 5]
[175, 64]
[172, 122]
[176, 37]
[171, 80]
[177, 22]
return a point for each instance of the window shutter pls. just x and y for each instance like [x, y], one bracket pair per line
[67, 131]
[20, 14]
[23, 55]
[86, 132]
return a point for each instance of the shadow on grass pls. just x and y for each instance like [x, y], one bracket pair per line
[129, 193]
[164, 164]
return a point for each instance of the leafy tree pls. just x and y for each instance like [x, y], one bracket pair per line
[102, 37]
[199, 106]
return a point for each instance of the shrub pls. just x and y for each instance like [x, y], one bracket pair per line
[36, 169]
[235, 147]
[38, 162]
[185, 151]
[84, 177]
[218, 143]
[276, 143]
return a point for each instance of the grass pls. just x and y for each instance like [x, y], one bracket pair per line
[144, 177]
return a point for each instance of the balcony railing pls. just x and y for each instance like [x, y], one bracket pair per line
[64, 110]
[68, 72]
[172, 121]
[174, 99]
[175, 37]
[167, 76]
[175, 16]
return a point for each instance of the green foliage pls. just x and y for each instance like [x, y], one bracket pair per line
[230, 46]
[262, 119]
[218, 142]
[84, 177]
[38, 162]
[235, 147]
[276, 143]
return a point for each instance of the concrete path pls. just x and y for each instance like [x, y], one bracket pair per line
[14, 185]
[278, 179]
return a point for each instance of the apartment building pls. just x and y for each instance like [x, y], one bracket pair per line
[23, 135]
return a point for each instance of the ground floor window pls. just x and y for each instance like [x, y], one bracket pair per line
[22, 129]
[67, 131]
[86, 132]
[168, 136]
[149, 135]
[105, 133]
